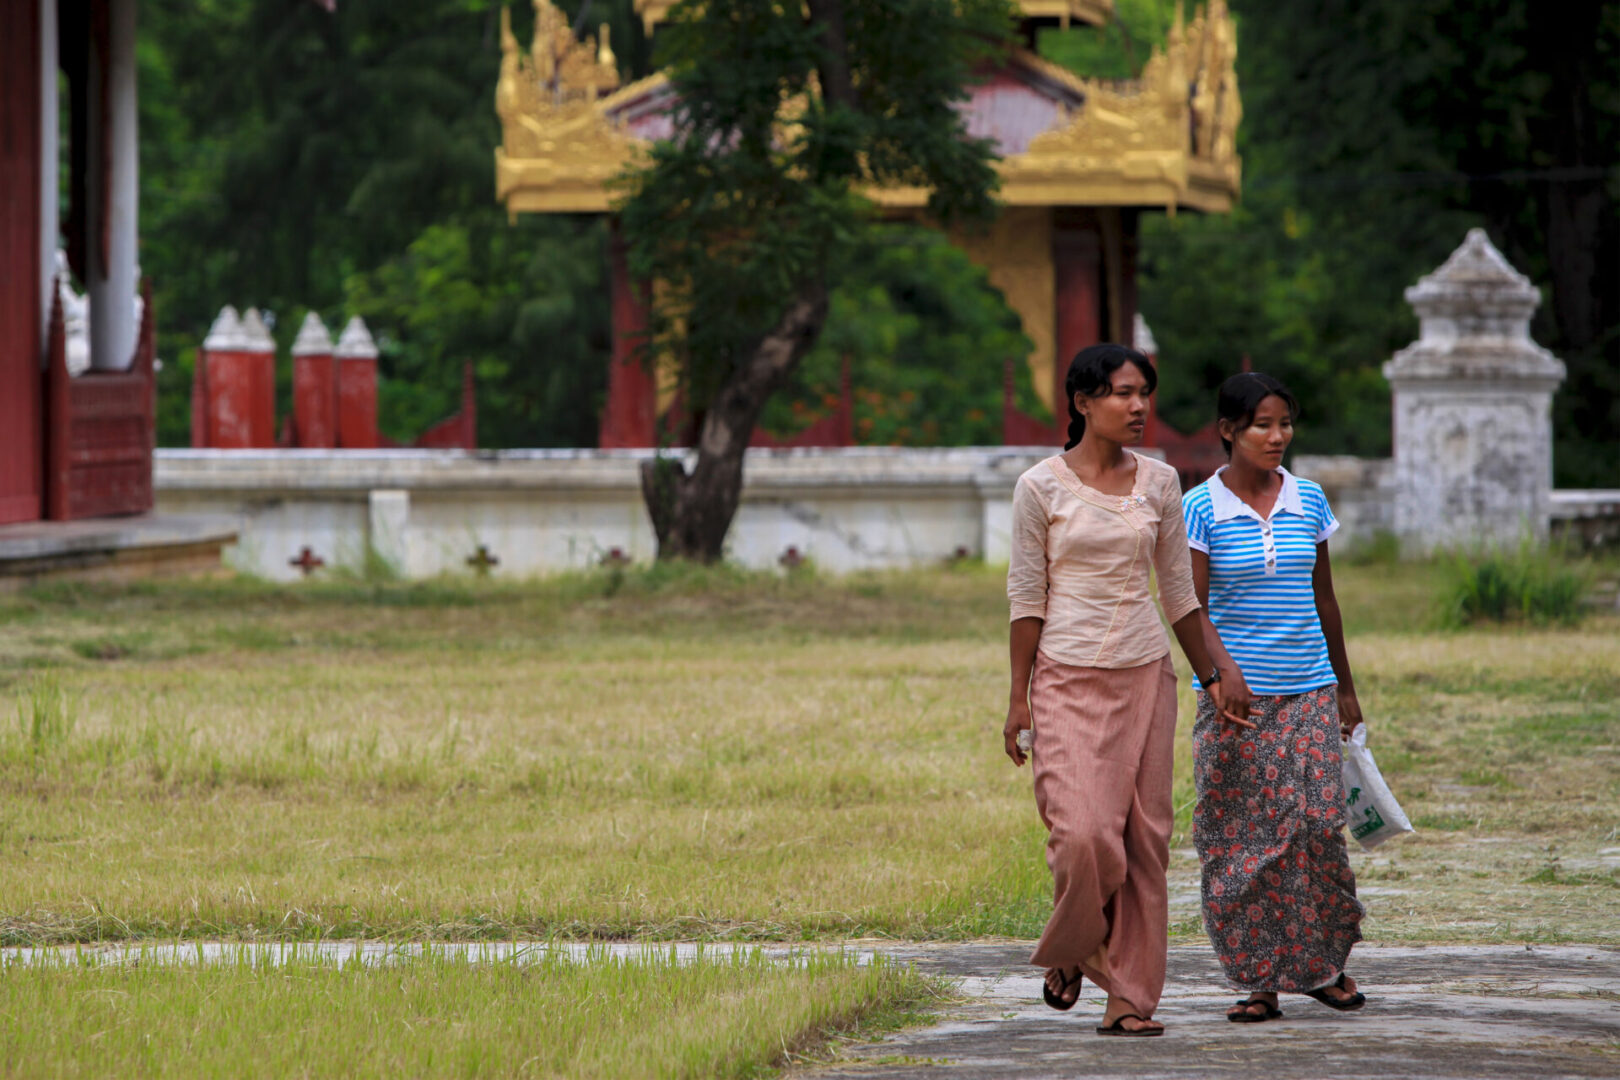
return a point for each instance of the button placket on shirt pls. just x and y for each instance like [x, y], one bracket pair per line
[1268, 542]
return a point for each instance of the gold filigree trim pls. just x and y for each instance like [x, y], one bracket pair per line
[1181, 114]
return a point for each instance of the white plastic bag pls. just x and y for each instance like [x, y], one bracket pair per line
[1372, 812]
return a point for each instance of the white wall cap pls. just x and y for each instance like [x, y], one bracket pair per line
[226, 333]
[356, 341]
[313, 338]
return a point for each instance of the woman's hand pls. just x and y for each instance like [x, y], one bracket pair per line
[1349, 712]
[1017, 720]
[1233, 702]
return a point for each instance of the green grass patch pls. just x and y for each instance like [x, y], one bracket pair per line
[1532, 584]
[422, 1016]
[1554, 874]
[1586, 728]
[1486, 778]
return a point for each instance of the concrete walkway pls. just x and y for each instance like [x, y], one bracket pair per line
[1471, 1012]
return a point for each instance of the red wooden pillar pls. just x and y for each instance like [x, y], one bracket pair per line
[239, 383]
[314, 386]
[263, 371]
[356, 360]
[21, 345]
[629, 414]
[1078, 285]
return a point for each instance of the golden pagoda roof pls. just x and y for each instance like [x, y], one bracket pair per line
[1165, 139]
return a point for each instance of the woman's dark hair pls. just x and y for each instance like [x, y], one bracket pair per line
[1242, 394]
[1091, 373]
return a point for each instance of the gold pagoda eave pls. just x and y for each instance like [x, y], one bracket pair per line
[540, 187]
[1165, 140]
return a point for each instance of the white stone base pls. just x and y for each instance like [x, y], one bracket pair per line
[1361, 492]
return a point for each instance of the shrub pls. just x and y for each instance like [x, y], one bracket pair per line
[1536, 584]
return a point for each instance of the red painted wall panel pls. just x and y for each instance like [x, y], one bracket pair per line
[21, 404]
[357, 402]
[629, 415]
[241, 400]
[98, 457]
[314, 401]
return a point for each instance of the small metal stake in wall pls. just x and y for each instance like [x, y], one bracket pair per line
[482, 561]
[307, 561]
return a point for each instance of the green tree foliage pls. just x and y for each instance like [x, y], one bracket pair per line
[1375, 133]
[927, 338]
[1393, 124]
[750, 212]
[1116, 50]
[527, 304]
[296, 159]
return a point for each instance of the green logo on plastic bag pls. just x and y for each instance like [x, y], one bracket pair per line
[1373, 823]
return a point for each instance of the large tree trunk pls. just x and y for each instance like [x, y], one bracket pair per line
[691, 512]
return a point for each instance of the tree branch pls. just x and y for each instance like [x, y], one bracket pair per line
[837, 86]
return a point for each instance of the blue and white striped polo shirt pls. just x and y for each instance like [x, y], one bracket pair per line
[1260, 595]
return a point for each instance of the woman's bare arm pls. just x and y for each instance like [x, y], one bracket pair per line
[1234, 697]
[1327, 611]
[1023, 637]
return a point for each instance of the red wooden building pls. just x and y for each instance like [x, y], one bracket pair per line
[71, 447]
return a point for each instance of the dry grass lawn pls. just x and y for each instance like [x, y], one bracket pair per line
[676, 755]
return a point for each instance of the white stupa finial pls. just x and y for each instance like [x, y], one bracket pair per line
[255, 334]
[313, 338]
[356, 341]
[226, 333]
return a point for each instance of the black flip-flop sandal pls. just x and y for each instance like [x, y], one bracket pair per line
[1057, 1000]
[1118, 1028]
[1247, 1017]
[1349, 1004]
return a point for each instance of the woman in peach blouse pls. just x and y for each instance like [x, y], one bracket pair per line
[1092, 678]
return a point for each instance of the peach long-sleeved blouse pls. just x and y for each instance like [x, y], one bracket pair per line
[1080, 561]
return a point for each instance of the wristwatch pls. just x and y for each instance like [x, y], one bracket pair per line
[1213, 677]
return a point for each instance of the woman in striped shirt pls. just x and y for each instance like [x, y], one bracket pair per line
[1279, 897]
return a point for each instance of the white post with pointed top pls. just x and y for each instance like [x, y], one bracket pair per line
[356, 359]
[1473, 407]
[233, 404]
[314, 386]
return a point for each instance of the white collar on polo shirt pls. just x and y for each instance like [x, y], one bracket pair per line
[1227, 505]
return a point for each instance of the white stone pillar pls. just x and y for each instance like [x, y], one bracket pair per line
[112, 287]
[49, 113]
[388, 527]
[1473, 407]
